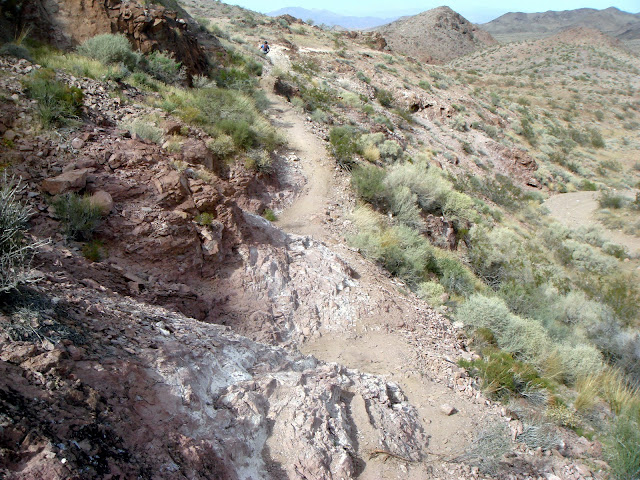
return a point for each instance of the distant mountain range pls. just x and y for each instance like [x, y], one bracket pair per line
[332, 19]
[522, 26]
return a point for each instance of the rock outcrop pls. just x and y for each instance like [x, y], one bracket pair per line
[66, 23]
[128, 389]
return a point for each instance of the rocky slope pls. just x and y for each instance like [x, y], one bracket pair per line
[435, 36]
[148, 28]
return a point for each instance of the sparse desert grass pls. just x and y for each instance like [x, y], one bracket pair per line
[57, 103]
[16, 253]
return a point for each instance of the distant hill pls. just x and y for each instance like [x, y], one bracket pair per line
[524, 26]
[435, 36]
[332, 19]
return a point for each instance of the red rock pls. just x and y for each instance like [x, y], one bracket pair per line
[72, 181]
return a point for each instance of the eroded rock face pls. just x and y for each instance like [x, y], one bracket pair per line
[66, 23]
[141, 389]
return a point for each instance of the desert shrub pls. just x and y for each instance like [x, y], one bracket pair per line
[622, 293]
[58, 103]
[579, 361]
[390, 150]
[454, 276]
[401, 250]
[269, 215]
[343, 145]
[480, 311]
[93, 251]
[596, 139]
[614, 250]
[385, 97]
[234, 79]
[259, 161]
[404, 207]
[622, 450]
[78, 215]
[144, 130]
[609, 199]
[424, 85]
[371, 153]
[499, 255]
[369, 140]
[16, 50]
[362, 77]
[431, 292]
[540, 435]
[15, 253]
[109, 48]
[430, 187]
[585, 258]
[368, 182]
[319, 116]
[222, 146]
[317, 98]
[222, 111]
[488, 447]
[204, 219]
[503, 376]
[163, 67]
[588, 185]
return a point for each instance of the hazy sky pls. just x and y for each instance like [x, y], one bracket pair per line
[472, 10]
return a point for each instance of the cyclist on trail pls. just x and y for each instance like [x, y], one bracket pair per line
[265, 47]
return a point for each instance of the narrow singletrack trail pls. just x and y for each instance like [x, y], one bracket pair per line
[304, 216]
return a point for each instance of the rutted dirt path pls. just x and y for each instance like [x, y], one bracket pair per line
[420, 358]
[579, 209]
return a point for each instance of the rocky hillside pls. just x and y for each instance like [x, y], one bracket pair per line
[435, 36]
[525, 26]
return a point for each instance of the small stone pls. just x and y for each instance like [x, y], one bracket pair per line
[447, 409]
[77, 143]
[103, 201]
[10, 135]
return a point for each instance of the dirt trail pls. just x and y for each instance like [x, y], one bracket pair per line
[578, 209]
[408, 357]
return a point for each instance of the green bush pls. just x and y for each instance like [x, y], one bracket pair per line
[431, 292]
[503, 376]
[390, 150]
[79, 215]
[144, 130]
[368, 182]
[609, 199]
[109, 48]
[163, 67]
[16, 253]
[15, 50]
[622, 450]
[343, 145]
[58, 103]
[385, 97]
[222, 146]
[259, 161]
